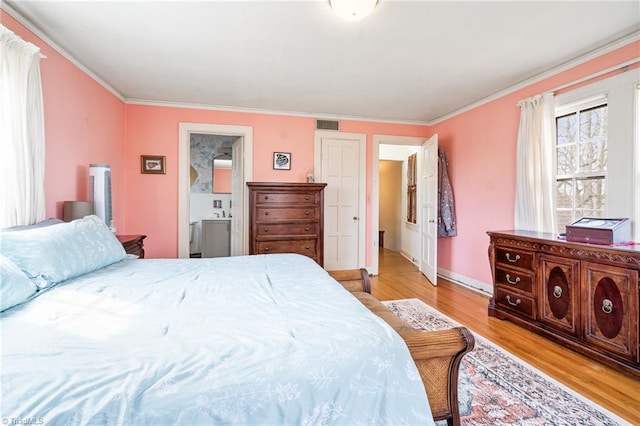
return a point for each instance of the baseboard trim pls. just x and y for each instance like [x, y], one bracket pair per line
[470, 283]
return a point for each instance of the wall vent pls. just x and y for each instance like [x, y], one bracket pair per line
[327, 125]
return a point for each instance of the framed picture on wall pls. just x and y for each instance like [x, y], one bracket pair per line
[282, 160]
[152, 164]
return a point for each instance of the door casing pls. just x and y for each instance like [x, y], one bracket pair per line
[184, 162]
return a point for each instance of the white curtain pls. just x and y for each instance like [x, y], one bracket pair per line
[21, 132]
[535, 179]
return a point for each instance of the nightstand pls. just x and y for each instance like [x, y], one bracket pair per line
[133, 244]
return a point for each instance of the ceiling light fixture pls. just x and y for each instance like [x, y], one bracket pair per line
[353, 10]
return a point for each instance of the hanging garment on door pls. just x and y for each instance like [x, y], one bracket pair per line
[446, 212]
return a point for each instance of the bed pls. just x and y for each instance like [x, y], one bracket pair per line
[91, 335]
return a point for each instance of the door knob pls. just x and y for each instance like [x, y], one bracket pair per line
[355, 218]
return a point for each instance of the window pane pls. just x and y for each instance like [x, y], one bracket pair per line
[565, 217]
[593, 123]
[593, 139]
[564, 194]
[590, 194]
[566, 159]
[566, 129]
[593, 156]
[589, 213]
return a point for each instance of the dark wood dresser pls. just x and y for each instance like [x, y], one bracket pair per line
[584, 296]
[133, 244]
[287, 218]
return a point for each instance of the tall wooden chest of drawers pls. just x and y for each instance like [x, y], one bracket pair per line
[287, 218]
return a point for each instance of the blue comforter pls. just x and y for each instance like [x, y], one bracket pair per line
[243, 340]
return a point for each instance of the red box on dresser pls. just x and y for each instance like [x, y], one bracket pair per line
[600, 230]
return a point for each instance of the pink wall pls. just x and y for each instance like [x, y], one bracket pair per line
[152, 200]
[481, 149]
[84, 123]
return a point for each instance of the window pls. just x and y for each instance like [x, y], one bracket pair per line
[581, 163]
[598, 150]
[411, 188]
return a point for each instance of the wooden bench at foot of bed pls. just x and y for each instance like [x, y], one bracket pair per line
[437, 354]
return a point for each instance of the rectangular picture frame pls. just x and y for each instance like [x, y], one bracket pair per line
[152, 164]
[282, 161]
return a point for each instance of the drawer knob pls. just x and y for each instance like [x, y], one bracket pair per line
[306, 228]
[607, 306]
[266, 213]
[266, 229]
[512, 282]
[514, 260]
[266, 197]
[306, 198]
[307, 247]
[557, 292]
[307, 212]
[516, 303]
[267, 249]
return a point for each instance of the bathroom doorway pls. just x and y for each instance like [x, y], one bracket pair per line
[210, 196]
[213, 205]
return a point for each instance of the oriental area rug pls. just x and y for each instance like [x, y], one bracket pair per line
[496, 388]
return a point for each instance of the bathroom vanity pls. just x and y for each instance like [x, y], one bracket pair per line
[216, 237]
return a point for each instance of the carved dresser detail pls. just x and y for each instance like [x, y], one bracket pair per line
[583, 296]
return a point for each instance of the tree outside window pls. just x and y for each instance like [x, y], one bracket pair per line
[581, 156]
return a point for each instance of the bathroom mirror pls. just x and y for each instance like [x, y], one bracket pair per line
[222, 174]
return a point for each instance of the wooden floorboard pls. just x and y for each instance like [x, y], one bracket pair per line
[619, 393]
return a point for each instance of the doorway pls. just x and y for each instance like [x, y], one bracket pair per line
[242, 150]
[399, 148]
[210, 197]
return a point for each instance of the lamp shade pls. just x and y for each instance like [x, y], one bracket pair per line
[353, 10]
[77, 209]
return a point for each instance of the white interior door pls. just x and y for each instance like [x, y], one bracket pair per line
[237, 197]
[429, 209]
[341, 167]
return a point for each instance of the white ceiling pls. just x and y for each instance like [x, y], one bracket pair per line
[410, 61]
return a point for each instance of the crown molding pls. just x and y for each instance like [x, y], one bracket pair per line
[31, 26]
[319, 115]
[621, 42]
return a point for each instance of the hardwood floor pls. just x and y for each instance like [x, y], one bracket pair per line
[399, 279]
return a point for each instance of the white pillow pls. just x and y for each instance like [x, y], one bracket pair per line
[56, 253]
[15, 287]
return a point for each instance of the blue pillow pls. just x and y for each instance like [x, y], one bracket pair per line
[52, 254]
[15, 287]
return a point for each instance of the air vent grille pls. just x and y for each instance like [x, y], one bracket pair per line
[327, 125]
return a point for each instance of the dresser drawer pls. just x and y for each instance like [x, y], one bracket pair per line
[516, 302]
[289, 229]
[514, 257]
[269, 197]
[514, 279]
[306, 247]
[264, 213]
